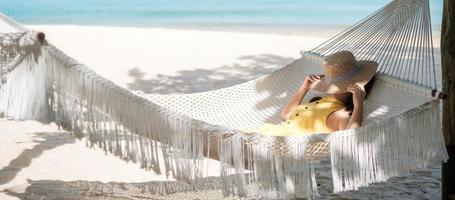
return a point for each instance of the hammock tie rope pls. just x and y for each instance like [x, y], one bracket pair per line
[171, 134]
[398, 36]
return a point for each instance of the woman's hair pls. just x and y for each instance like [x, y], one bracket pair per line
[349, 103]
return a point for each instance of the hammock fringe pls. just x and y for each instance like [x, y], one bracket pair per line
[390, 148]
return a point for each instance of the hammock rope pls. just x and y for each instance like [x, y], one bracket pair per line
[401, 131]
[398, 36]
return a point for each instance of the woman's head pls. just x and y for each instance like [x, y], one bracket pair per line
[342, 69]
[347, 96]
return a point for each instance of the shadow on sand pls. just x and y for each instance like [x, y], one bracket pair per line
[416, 185]
[45, 142]
[200, 80]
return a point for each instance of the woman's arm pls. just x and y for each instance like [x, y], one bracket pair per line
[298, 96]
[295, 101]
[356, 117]
[358, 96]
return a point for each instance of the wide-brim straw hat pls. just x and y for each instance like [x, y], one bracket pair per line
[341, 69]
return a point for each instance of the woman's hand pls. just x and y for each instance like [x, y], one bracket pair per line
[358, 93]
[309, 80]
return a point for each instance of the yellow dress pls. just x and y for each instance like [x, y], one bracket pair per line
[305, 119]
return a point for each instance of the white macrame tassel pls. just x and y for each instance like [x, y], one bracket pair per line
[270, 173]
[379, 151]
[53, 87]
[25, 94]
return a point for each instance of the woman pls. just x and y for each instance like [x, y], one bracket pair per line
[347, 83]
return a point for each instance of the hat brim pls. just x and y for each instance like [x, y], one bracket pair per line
[362, 77]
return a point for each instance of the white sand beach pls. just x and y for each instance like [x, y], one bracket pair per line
[158, 60]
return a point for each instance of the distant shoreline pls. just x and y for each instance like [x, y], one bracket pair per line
[326, 31]
[280, 29]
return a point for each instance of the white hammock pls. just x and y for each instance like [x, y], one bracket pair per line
[401, 131]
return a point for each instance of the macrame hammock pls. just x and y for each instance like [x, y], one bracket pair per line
[401, 130]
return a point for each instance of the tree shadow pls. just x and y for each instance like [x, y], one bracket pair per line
[199, 80]
[420, 184]
[208, 188]
[415, 185]
[46, 141]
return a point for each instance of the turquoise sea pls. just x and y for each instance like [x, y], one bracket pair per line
[197, 12]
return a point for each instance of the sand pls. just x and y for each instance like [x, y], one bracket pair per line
[37, 157]
[114, 51]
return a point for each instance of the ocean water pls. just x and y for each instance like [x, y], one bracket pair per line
[197, 12]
